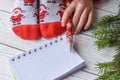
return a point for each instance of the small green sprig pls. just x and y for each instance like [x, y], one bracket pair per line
[107, 34]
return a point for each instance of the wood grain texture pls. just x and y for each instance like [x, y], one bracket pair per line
[6, 53]
[11, 45]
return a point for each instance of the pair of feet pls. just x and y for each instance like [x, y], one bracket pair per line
[33, 19]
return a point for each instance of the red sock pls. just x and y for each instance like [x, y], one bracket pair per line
[24, 19]
[50, 15]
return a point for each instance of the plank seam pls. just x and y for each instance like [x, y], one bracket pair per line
[12, 47]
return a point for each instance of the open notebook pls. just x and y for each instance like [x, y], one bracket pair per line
[52, 61]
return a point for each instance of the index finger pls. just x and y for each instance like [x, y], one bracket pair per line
[69, 10]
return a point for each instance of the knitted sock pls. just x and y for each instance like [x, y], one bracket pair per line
[50, 14]
[25, 19]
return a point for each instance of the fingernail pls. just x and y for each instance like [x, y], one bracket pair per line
[85, 28]
[75, 32]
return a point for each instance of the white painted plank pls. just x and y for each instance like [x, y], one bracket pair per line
[74, 78]
[86, 48]
[5, 54]
[85, 76]
[5, 72]
[7, 51]
[6, 5]
[82, 76]
[108, 5]
[99, 13]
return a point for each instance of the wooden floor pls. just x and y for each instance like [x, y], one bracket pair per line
[11, 45]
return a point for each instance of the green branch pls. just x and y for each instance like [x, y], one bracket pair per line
[107, 34]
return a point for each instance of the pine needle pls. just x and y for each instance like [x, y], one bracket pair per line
[107, 34]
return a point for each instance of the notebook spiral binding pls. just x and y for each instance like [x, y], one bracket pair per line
[36, 49]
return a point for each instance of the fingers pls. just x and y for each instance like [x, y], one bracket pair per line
[68, 13]
[82, 17]
[82, 21]
[89, 21]
[77, 14]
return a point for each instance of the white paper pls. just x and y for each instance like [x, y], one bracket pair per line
[47, 63]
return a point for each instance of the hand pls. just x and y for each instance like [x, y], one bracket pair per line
[83, 14]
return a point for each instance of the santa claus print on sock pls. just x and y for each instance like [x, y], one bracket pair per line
[24, 24]
[51, 27]
[51, 1]
[29, 2]
[17, 16]
[62, 8]
[36, 14]
[43, 12]
[32, 19]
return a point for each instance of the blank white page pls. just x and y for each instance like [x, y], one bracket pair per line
[46, 62]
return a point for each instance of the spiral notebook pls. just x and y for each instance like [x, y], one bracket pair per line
[52, 61]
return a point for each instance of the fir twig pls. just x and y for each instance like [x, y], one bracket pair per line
[107, 34]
